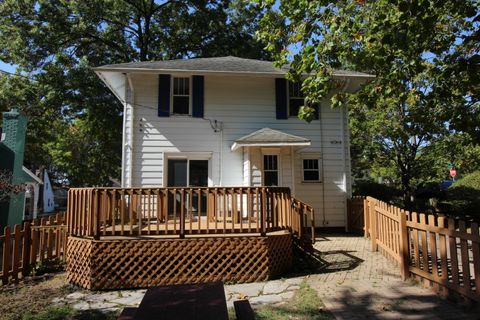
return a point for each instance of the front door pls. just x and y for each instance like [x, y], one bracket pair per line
[187, 173]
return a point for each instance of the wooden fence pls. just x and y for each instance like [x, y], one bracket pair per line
[180, 212]
[30, 244]
[445, 252]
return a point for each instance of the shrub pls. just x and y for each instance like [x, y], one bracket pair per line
[377, 190]
[463, 197]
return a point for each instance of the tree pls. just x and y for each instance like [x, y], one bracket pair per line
[74, 121]
[413, 47]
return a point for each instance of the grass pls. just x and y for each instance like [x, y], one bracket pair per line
[304, 305]
[67, 312]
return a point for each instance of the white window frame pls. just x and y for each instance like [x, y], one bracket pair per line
[272, 152]
[172, 84]
[289, 96]
[319, 162]
[188, 157]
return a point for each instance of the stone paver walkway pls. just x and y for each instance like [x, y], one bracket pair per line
[258, 293]
[359, 284]
[352, 281]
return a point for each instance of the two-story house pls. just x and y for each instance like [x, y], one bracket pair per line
[230, 121]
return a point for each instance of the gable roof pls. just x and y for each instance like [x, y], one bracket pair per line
[227, 64]
[267, 137]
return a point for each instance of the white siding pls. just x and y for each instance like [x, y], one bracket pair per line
[242, 105]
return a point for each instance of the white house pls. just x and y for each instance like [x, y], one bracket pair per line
[230, 121]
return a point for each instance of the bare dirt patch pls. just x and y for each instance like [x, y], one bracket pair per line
[32, 296]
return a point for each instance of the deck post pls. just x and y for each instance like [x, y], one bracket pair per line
[263, 213]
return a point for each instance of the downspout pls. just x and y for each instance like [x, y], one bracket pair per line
[132, 124]
[124, 133]
[344, 166]
[324, 222]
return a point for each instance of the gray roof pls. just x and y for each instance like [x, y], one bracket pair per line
[227, 64]
[270, 137]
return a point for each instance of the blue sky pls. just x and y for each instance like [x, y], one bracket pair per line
[7, 67]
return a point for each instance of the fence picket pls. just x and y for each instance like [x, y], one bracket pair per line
[440, 253]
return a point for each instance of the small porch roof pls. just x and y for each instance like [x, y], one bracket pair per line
[267, 137]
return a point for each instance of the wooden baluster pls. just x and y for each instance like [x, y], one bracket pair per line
[199, 206]
[158, 209]
[182, 213]
[464, 254]
[233, 197]
[443, 250]
[452, 242]
[257, 203]
[423, 234]
[122, 211]
[249, 209]
[476, 254]
[240, 217]
[34, 246]
[149, 209]
[263, 213]
[175, 211]
[17, 237]
[166, 195]
[433, 247]
[27, 237]
[190, 209]
[130, 210]
[225, 209]
[6, 255]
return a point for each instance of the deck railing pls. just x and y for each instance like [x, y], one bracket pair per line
[97, 212]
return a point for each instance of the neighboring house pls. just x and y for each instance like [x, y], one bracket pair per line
[24, 205]
[232, 122]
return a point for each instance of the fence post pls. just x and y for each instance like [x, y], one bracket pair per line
[366, 218]
[373, 224]
[404, 248]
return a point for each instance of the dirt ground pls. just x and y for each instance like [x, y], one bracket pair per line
[32, 296]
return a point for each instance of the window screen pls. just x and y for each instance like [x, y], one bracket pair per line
[311, 170]
[181, 95]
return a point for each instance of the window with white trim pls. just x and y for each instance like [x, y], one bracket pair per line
[270, 170]
[181, 95]
[311, 170]
[296, 99]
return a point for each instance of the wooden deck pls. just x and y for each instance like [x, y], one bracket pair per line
[137, 238]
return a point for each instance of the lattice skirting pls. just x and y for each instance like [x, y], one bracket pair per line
[141, 263]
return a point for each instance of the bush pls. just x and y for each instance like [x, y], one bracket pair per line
[377, 190]
[463, 197]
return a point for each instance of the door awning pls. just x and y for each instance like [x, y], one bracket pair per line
[267, 137]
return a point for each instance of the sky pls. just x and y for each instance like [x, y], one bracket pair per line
[7, 67]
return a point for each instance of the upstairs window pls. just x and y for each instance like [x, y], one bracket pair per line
[181, 95]
[311, 170]
[296, 99]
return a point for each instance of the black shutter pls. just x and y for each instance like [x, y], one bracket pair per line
[197, 96]
[281, 98]
[164, 95]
